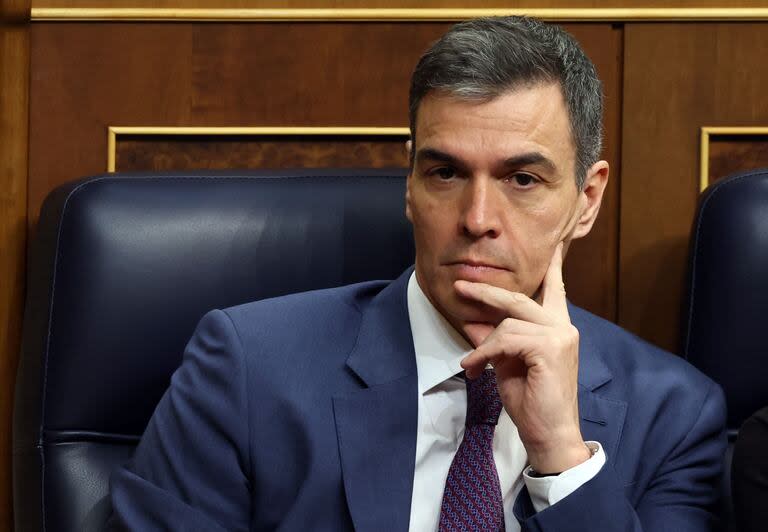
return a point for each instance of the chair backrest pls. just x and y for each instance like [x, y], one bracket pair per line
[727, 309]
[122, 268]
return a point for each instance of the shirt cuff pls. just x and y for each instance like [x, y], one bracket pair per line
[546, 491]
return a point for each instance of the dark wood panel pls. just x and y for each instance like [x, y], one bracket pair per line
[91, 76]
[14, 78]
[137, 152]
[256, 4]
[206, 75]
[591, 270]
[729, 154]
[678, 78]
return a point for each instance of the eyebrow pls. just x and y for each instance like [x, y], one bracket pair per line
[437, 155]
[516, 161]
[531, 158]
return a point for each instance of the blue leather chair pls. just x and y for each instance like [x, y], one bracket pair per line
[725, 326]
[122, 268]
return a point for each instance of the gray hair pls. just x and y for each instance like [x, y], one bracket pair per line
[481, 59]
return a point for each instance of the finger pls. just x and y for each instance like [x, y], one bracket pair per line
[527, 328]
[497, 350]
[512, 304]
[509, 326]
[553, 297]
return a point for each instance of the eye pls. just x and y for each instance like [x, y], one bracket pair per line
[524, 180]
[445, 173]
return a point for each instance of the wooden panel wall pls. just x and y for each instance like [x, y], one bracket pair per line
[677, 79]
[14, 70]
[729, 154]
[262, 74]
[168, 152]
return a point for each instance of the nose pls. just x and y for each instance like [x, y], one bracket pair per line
[480, 209]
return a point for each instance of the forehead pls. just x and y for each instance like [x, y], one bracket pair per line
[530, 118]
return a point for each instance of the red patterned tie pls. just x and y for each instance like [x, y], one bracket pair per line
[472, 498]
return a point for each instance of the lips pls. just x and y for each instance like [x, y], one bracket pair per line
[477, 264]
[475, 271]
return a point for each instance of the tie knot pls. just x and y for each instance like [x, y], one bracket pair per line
[483, 401]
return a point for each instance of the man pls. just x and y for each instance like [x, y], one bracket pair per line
[374, 407]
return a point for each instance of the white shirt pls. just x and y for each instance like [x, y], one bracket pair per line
[442, 412]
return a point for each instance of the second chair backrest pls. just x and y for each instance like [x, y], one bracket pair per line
[725, 327]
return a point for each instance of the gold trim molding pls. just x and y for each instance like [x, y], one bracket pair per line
[114, 131]
[41, 14]
[706, 135]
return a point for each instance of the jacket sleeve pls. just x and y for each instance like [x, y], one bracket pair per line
[190, 470]
[680, 497]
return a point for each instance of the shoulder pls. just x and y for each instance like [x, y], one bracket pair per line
[634, 362]
[318, 320]
[306, 307]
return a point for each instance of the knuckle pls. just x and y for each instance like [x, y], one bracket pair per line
[556, 342]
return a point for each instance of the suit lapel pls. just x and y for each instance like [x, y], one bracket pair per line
[376, 425]
[602, 419]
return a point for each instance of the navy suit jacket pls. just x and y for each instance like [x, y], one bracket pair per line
[299, 413]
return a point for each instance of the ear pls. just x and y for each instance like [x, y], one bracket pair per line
[590, 198]
[408, 214]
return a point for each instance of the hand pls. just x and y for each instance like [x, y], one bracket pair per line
[535, 352]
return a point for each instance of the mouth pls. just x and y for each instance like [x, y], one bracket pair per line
[477, 271]
[477, 265]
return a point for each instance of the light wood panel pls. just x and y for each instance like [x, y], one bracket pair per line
[14, 65]
[402, 14]
[677, 79]
[91, 76]
[251, 4]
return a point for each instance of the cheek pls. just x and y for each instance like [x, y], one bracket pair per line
[534, 237]
[431, 223]
[550, 221]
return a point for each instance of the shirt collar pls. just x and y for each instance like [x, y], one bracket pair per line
[438, 346]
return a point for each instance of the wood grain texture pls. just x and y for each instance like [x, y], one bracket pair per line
[90, 76]
[591, 269]
[137, 152]
[14, 69]
[729, 154]
[678, 78]
[509, 4]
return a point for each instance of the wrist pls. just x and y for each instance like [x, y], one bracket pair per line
[555, 460]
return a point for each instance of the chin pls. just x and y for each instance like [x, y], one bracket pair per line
[465, 311]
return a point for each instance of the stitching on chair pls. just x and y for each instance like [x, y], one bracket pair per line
[699, 222]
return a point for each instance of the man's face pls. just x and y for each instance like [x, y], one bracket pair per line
[492, 192]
